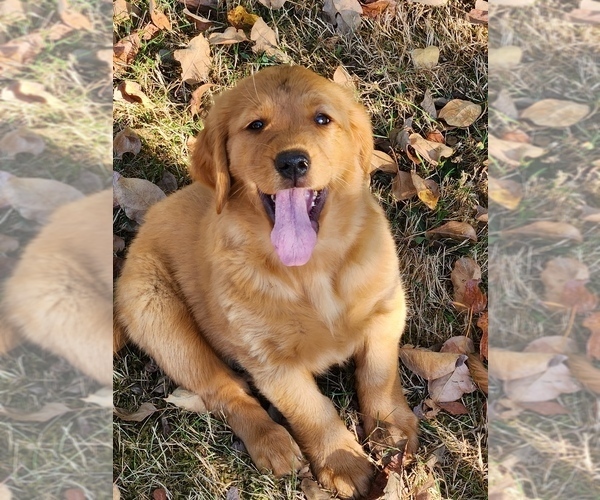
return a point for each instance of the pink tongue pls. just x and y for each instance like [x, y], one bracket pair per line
[293, 236]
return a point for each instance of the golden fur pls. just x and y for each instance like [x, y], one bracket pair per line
[203, 287]
[60, 293]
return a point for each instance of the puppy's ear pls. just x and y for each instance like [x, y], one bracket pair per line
[362, 134]
[209, 160]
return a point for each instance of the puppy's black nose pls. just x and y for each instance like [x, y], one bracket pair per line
[292, 164]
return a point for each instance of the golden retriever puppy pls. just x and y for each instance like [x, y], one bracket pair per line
[277, 259]
[60, 293]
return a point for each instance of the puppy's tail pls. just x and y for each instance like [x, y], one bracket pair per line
[9, 337]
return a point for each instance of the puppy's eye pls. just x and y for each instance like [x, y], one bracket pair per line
[256, 125]
[322, 119]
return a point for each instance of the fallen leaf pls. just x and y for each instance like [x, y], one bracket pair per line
[508, 56]
[430, 151]
[583, 16]
[102, 397]
[585, 372]
[204, 6]
[74, 494]
[478, 16]
[451, 387]
[552, 344]
[592, 5]
[482, 5]
[592, 323]
[45, 413]
[459, 113]
[232, 494]
[555, 113]
[482, 323]
[5, 493]
[126, 141]
[195, 60]
[428, 105]
[455, 230]
[344, 15]
[135, 196]
[74, 19]
[458, 344]
[186, 400]
[196, 99]
[432, 3]
[312, 490]
[378, 7]
[453, 407]
[481, 214]
[35, 198]
[11, 11]
[343, 78]
[125, 51]
[230, 36]
[403, 187]
[200, 23]
[514, 3]
[265, 41]
[427, 190]
[143, 412]
[504, 104]
[508, 365]
[158, 17]
[547, 408]
[465, 277]
[428, 364]
[435, 136]
[505, 192]
[159, 494]
[550, 384]
[516, 136]
[427, 57]
[30, 92]
[121, 11]
[22, 140]
[384, 162]
[590, 214]
[273, 4]
[132, 92]
[116, 493]
[241, 19]
[168, 182]
[478, 372]
[21, 50]
[547, 230]
[564, 281]
[511, 152]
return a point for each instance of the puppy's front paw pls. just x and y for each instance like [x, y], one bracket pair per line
[397, 429]
[346, 470]
[275, 450]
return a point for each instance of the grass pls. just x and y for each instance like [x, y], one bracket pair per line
[195, 455]
[43, 460]
[548, 457]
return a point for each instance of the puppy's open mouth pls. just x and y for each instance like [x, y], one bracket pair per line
[295, 214]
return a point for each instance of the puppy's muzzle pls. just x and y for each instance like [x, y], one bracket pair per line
[292, 164]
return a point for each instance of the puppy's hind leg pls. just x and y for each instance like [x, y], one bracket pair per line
[156, 319]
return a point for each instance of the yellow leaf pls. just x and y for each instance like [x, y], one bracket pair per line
[505, 57]
[427, 57]
[505, 192]
[427, 190]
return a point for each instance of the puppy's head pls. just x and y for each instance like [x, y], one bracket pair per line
[292, 141]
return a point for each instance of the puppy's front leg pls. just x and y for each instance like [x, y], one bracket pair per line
[387, 418]
[338, 461]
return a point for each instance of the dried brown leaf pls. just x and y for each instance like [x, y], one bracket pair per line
[564, 281]
[511, 152]
[143, 412]
[126, 141]
[428, 364]
[459, 344]
[547, 408]
[75, 20]
[159, 18]
[455, 230]
[265, 41]
[22, 140]
[552, 344]
[454, 408]
[377, 8]
[585, 372]
[590, 214]
[510, 365]
[430, 151]
[344, 15]
[427, 57]
[186, 400]
[230, 36]
[132, 92]
[135, 196]
[547, 230]
[428, 106]
[459, 113]
[44, 414]
[504, 104]
[505, 192]
[312, 490]
[592, 323]
[343, 78]
[200, 23]
[545, 386]
[466, 276]
[30, 92]
[195, 60]
[555, 113]
[451, 387]
[584, 16]
[384, 162]
[478, 372]
[196, 99]
[428, 190]
[403, 187]
[482, 323]
[478, 16]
